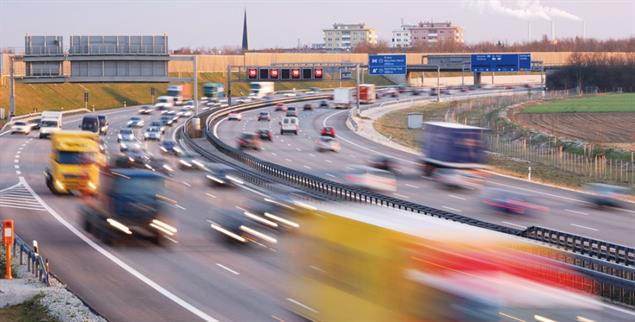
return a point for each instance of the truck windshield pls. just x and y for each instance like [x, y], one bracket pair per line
[163, 100]
[174, 92]
[68, 157]
[48, 124]
[148, 186]
[90, 124]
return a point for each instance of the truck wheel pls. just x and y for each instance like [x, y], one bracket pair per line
[428, 170]
[88, 226]
[158, 239]
[281, 132]
[50, 185]
[296, 132]
[104, 234]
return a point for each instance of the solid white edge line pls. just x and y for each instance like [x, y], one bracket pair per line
[227, 269]
[171, 296]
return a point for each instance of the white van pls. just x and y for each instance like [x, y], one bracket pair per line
[290, 124]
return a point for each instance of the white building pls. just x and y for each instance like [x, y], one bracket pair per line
[401, 38]
[347, 36]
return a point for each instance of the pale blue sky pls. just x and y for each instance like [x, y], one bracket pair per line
[281, 23]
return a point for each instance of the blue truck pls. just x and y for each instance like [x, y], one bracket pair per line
[452, 146]
[131, 204]
[214, 90]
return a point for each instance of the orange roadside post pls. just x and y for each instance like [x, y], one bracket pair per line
[7, 240]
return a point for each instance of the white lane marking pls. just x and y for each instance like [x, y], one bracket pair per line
[171, 296]
[274, 154]
[584, 227]
[16, 161]
[17, 167]
[512, 224]
[330, 175]
[227, 269]
[312, 155]
[302, 305]
[288, 160]
[412, 186]
[298, 149]
[186, 184]
[400, 196]
[307, 167]
[18, 172]
[210, 195]
[288, 144]
[456, 197]
[452, 209]
[328, 161]
[577, 212]
[179, 206]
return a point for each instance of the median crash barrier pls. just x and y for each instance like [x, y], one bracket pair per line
[610, 265]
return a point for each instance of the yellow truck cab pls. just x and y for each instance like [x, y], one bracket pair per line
[75, 162]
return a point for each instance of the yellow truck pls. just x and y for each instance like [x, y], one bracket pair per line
[76, 160]
[350, 262]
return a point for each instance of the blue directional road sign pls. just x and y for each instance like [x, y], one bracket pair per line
[500, 62]
[387, 64]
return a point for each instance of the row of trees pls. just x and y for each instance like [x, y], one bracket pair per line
[545, 44]
[604, 72]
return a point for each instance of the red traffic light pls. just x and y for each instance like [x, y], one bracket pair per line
[295, 73]
[273, 73]
[317, 73]
[252, 73]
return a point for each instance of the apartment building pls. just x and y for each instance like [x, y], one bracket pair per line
[347, 36]
[426, 32]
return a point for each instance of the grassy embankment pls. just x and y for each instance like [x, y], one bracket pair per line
[394, 126]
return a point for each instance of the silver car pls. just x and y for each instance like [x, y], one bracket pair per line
[152, 133]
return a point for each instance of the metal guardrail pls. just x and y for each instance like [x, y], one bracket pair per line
[610, 265]
[35, 263]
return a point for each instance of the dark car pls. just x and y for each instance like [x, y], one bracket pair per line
[170, 147]
[417, 91]
[324, 104]
[103, 124]
[138, 156]
[292, 111]
[264, 116]
[166, 120]
[90, 123]
[36, 123]
[605, 195]
[249, 141]
[265, 135]
[383, 163]
[511, 202]
[328, 131]
[308, 107]
[160, 165]
[188, 161]
[222, 175]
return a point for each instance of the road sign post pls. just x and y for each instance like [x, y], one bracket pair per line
[86, 99]
[500, 62]
[152, 93]
[7, 240]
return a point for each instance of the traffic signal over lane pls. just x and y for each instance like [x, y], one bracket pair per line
[285, 74]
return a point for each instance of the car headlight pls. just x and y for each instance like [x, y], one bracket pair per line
[123, 146]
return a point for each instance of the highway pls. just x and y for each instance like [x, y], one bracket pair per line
[199, 277]
[567, 209]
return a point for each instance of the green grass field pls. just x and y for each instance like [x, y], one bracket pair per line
[600, 103]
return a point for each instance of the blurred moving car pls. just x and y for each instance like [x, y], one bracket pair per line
[327, 143]
[289, 124]
[21, 127]
[249, 141]
[459, 179]
[280, 107]
[188, 161]
[138, 155]
[234, 116]
[241, 226]
[166, 120]
[146, 109]
[265, 134]
[328, 131]
[159, 125]
[35, 122]
[129, 144]
[184, 112]
[382, 162]
[308, 107]
[170, 147]
[103, 124]
[135, 121]
[601, 195]
[371, 178]
[511, 202]
[125, 134]
[152, 133]
[160, 165]
[220, 174]
[324, 104]
[292, 111]
[264, 116]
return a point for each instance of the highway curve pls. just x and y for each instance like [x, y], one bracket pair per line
[567, 209]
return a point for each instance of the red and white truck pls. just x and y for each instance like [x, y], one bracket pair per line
[367, 93]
